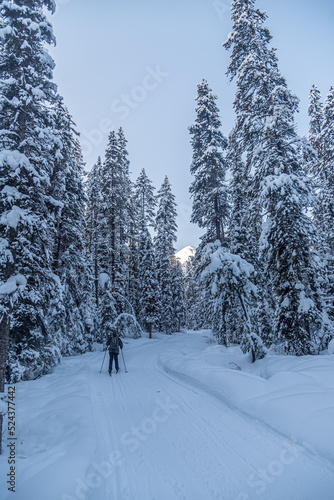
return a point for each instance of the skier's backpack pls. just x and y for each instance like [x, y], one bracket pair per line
[113, 343]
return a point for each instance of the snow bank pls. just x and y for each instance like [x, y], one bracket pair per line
[295, 396]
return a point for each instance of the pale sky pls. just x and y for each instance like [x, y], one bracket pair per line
[136, 64]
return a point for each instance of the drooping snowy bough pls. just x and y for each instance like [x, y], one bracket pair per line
[229, 282]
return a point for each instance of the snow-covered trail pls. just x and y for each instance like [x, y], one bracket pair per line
[147, 435]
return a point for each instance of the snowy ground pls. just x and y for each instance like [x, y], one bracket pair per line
[184, 423]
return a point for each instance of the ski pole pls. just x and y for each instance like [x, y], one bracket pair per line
[104, 357]
[126, 371]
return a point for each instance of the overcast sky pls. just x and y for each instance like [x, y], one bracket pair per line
[136, 64]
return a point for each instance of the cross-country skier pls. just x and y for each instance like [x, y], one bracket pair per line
[113, 344]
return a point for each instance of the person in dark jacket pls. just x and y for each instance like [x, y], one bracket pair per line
[113, 345]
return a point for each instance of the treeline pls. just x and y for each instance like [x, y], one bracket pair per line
[265, 263]
[136, 277]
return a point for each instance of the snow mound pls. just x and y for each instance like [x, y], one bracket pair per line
[295, 396]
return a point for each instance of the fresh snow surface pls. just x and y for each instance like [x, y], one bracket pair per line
[189, 421]
[184, 254]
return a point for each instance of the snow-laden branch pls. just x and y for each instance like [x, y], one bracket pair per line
[13, 284]
[126, 315]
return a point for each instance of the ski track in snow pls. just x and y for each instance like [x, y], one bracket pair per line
[190, 444]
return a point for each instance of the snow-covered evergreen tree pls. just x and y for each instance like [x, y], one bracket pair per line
[70, 263]
[125, 217]
[237, 230]
[165, 226]
[326, 152]
[107, 311]
[208, 190]
[315, 112]
[132, 257]
[116, 212]
[230, 279]
[94, 218]
[28, 145]
[144, 203]
[323, 141]
[148, 284]
[250, 59]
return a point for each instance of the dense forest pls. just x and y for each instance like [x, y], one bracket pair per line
[82, 252]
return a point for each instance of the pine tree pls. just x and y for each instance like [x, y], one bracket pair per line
[315, 112]
[148, 284]
[107, 312]
[208, 190]
[324, 213]
[250, 58]
[144, 203]
[126, 215]
[116, 206]
[230, 281]
[70, 263]
[132, 257]
[326, 148]
[28, 145]
[240, 239]
[165, 226]
[94, 227]
[239, 203]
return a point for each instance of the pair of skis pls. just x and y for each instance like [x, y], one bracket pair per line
[104, 357]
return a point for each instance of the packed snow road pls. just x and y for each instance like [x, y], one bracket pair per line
[150, 435]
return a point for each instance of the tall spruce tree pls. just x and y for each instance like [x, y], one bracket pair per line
[144, 203]
[94, 227]
[324, 213]
[250, 55]
[315, 112]
[115, 221]
[148, 284]
[237, 227]
[28, 145]
[165, 226]
[209, 167]
[229, 281]
[326, 149]
[208, 189]
[70, 263]
[126, 213]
